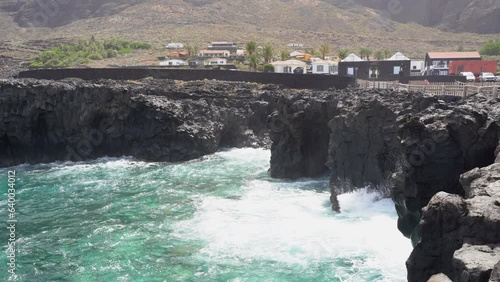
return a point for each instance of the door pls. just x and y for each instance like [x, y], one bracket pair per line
[374, 72]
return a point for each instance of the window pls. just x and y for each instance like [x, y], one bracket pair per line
[319, 68]
[350, 71]
[414, 67]
[287, 69]
[397, 69]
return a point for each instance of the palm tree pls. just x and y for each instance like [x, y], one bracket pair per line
[253, 61]
[362, 53]
[365, 53]
[342, 54]
[284, 55]
[387, 54]
[379, 55]
[192, 50]
[323, 50]
[251, 48]
[311, 52]
[369, 52]
[267, 53]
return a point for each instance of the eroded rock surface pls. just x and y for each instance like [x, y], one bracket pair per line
[439, 144]
[299, 131]
[421, 147]
[460, 237]
[45, 121]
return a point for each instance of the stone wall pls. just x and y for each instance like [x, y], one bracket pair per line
[303, 81]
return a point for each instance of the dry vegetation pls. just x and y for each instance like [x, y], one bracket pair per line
[267, 21]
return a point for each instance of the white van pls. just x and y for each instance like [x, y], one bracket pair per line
[469, 75]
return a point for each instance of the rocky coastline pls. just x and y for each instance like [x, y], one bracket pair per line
[433, 155]
[74, 120]
[437, 157]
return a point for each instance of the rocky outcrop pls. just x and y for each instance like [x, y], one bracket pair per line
[354, 131]
[495, 274]
[299, 134]
[45, 121]
[364, 147]
[417, 144]
[439, 144]
[459, 237]
[475, 262]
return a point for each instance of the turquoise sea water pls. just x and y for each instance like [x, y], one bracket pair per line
[218, 218]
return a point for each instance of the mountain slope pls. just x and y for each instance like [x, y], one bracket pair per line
[478, 16]
[341, 24]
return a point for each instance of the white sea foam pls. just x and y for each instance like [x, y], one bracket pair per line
[286, 223]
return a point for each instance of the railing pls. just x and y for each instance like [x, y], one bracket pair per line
[457, 89]
[371, 84]
[451, 89]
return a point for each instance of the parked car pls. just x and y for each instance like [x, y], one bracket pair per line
[469, 76]
[498, 78]
[487, 77]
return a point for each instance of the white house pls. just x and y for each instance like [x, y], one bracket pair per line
[175, 45]
[173, 62]
[352, 58]
[417, 66]
[214, 53]
[398, 57]
[324, 66]
[290, 66]
[216, 62]
[223, 45]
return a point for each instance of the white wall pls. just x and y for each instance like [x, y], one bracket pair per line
[281, 68]
[315, 68]
[326, 69]
[173, 63]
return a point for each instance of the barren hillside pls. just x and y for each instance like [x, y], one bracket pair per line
[341, 24]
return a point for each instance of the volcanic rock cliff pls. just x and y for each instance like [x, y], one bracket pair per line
[45, 121]
[418, 147]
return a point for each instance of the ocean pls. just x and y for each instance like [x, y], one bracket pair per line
[217, 218]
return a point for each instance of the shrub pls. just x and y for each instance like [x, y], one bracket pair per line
[83, 51]
[268, 68]
[492, 48]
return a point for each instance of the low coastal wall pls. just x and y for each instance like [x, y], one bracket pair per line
[300, 81]
[434, 78]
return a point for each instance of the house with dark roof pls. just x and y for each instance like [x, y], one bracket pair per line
[390, 69]
[223, 45]
[437, 63]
